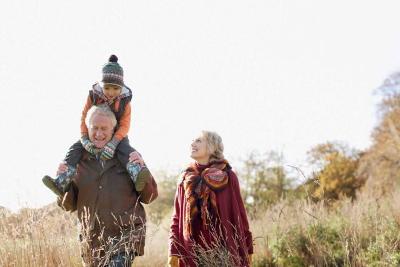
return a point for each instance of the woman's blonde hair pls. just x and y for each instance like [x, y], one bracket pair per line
[214, 145]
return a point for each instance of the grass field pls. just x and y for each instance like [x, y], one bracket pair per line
[290, 233]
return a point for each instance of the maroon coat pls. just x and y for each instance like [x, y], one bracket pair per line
[233, 222]
[110, 212]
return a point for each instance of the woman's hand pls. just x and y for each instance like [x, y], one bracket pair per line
[135, 157]
[173, 261]
[63, 167]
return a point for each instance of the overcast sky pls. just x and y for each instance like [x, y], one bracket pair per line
[266, 75]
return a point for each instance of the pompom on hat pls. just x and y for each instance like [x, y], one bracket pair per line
[113, 72]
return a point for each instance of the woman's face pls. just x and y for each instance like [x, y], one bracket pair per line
[199, 151]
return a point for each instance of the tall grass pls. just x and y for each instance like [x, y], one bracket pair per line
[39, 237]
[361, 233]
[365, 232]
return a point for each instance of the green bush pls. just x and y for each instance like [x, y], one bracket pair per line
[317, 245]
[383, 248]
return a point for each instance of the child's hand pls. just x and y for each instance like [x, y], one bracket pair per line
[135, 157]
[62, 168]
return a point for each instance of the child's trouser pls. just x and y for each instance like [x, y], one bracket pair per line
[123, 150]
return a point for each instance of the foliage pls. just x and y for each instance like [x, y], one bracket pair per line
[166, 193]
[317, 245]
[381, 162]
[363, 232]
[336, 171]
[265, 179]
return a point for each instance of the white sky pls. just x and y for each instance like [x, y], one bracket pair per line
[282, 75]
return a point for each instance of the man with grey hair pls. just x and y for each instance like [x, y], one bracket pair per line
[108, 205]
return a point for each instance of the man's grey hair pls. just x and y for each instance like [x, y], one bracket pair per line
[103, 110]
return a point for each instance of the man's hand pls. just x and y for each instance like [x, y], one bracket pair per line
[60, 200]
[109, 149]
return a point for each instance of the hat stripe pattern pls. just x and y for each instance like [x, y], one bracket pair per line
[113, 72]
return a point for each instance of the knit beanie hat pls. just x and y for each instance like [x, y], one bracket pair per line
[113, 72]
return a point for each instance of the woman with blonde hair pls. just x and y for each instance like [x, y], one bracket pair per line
[209, 224]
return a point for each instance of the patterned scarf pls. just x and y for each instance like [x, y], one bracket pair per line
[200, 187]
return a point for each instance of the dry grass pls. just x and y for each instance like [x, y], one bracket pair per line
[363, 233]
[39, 237]
[297, 233]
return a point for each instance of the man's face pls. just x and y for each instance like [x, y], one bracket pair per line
[100, 130]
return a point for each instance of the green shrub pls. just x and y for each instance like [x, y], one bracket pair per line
[317, 245]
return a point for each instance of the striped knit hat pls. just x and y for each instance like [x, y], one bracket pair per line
[113, 72]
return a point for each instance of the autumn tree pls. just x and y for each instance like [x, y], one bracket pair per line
[335, 174]
[381, 162]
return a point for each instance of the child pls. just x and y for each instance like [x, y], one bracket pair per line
[117, 95]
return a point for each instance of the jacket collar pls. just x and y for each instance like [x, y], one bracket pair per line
[103, 166]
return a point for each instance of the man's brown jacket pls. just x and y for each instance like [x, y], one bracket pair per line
[110, 210]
